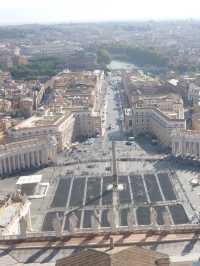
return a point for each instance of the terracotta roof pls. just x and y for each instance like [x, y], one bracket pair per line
[122, 256]
[86, 258]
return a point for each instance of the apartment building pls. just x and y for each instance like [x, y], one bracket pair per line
[80, 88]
[158, 123]
[137, 84]
[55, 48]
[152, 108]
[86, 125]
[80, 93]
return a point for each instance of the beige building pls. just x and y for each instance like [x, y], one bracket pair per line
[153, 108]
[137, 84]
[194, 94]
[5, 106]
[48, 124]
[80, 89]
[87, 125]
[170, 104]
[80, 93]
[26, 154]
[159, 115]
[26, 106]
[4, 76]
[196, 121]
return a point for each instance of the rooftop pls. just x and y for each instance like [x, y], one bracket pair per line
[165, 97]
[140, 84]
[29, 179]
[50, 119]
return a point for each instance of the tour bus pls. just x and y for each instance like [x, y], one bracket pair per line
[131, 138]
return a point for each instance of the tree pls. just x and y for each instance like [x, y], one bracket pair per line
[137, 55]
[103, 57]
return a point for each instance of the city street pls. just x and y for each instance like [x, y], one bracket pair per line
[112, 130]
[113, 113]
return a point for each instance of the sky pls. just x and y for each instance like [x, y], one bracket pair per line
[50, 11]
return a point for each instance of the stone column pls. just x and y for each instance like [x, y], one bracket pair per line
[183, 147]
[40, 156]
[32, 158]
[1, 167]
[198, 150]
[176, 147]
[22, 161]
[191, 148]
[25, 159]
[179, 147]
[28, 159]
[9, 165]
[4, 166]
[173, 148]
[13, 163]
[44, 156]
[37, 157]
[187, 147]
[17, 157]
[195, 150]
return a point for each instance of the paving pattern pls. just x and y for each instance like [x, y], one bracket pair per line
[89, 199]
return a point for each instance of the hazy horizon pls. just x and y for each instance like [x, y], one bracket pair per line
[15, 12]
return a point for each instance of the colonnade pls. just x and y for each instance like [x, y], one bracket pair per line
[186, 147]
[25, 155]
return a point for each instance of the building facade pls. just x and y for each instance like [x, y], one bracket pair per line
[86, 125]
[194, 94]
[153, 107]
[48, 124]
[143, 120]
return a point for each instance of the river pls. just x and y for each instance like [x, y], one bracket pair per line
[119, 65]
